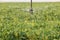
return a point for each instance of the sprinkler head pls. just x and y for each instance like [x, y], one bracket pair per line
[31, 11]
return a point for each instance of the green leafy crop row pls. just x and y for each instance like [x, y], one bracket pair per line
[15, 24]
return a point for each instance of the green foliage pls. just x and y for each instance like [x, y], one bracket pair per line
[43, 24]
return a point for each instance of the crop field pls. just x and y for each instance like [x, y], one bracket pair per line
[17, 23]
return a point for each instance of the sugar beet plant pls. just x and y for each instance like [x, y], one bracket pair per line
[43, 24]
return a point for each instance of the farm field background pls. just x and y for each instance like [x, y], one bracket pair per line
[18, 24]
